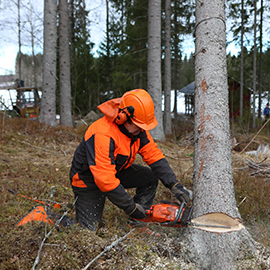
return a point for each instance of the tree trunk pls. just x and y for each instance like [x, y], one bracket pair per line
[34, 77]
[242, 59]
[108, 69]
[175, 64]
[154, 64]
[167, 70]
[64, 63]
[212, 178]
[48, 111]
[260, 63]
[254, 65]
[19, 41]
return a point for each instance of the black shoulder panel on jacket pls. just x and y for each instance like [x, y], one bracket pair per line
[143, 139]
[90, 152]
[111, 152]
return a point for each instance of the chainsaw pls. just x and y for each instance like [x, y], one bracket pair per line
[172, 214]
[168, 213]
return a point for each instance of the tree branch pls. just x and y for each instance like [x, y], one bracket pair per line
[47, 235]
[108, 248]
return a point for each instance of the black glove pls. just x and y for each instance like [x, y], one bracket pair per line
[138, 212]
[181, 193]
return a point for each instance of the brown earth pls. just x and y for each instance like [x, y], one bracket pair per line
[34, 158]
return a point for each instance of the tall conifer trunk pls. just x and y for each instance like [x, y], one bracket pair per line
[254, 66]
[242, 59]
[167, 70]
[154, 64]
[212, 178]
[48, 110]
[64, 63]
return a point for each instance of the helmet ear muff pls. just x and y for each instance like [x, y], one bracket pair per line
[124, 115]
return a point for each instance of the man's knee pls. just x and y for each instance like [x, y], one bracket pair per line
[89, 208]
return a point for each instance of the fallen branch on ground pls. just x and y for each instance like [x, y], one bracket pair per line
[258, 168]
[187, 140]
[40, 148]
[255, 136]
[47, 235]
[108, 248]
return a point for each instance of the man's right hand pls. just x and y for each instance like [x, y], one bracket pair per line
[181, 193]
[138, 212]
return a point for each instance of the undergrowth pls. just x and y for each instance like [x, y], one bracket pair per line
[35, 157]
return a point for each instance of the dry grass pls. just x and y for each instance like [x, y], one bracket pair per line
[35, 157]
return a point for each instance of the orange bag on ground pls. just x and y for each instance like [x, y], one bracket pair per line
[38, 213]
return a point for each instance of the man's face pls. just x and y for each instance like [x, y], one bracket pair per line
[132, 128]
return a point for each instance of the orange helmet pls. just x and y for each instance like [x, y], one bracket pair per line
[144, 110]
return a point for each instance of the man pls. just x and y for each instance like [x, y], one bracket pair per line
[103, 166]
[266, 112]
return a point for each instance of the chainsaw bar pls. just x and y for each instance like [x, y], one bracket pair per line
[174, 215]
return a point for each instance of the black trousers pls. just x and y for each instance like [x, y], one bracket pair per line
[90, 201]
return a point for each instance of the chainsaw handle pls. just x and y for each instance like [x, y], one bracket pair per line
[171, 223]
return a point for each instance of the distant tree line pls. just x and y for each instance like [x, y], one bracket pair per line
[120, 64]
[121, 61]
[234, 72]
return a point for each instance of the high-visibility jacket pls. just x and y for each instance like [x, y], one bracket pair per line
[108, 148]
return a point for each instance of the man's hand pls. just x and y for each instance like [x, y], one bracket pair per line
[181, 193]
[138, 212]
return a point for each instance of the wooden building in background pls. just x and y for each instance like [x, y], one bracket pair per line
[234, 99]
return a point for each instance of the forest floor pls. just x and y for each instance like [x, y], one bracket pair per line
[34, 158]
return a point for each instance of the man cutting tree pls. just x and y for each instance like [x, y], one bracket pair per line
[103, 165]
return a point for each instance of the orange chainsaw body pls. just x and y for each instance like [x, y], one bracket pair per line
[164, 214]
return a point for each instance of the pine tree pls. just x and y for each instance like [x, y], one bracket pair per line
[154, 64]
[212, 178]
[167, 70]
[64, 63]
[83, 65]
[48, 110]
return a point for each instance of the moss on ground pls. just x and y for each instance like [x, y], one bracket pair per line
[34, 158]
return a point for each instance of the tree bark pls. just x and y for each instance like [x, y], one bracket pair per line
[212, 178]
[167, 70]
[64, 63]
[254, 66]
[19, 41]
[242, 59]
[154, 64]
[48, 110]
[260, 79]
[175, 63]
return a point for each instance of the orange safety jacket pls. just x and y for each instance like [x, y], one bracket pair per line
[105, 150]
[108, 148]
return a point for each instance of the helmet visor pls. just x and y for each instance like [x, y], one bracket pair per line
[145, 126]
